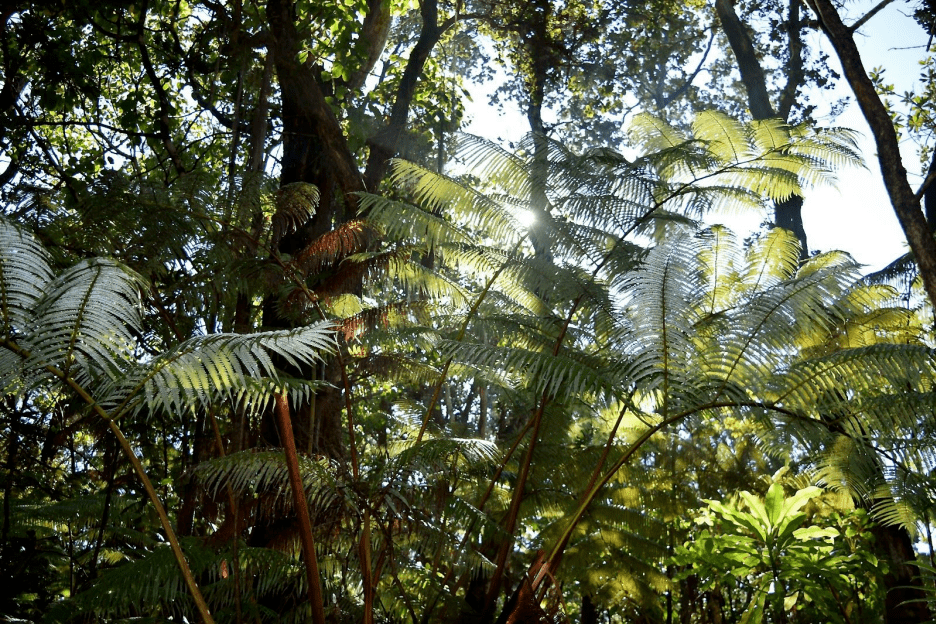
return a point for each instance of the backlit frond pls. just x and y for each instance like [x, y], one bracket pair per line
[295, 204]
[218, 367]
[24, 273]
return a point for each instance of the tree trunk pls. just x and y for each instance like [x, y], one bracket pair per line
[315, 151]
[929, 194]
[539, 46]
[386, 143]
[589, 610]
[787, 214]
[906, 205]
[903, 603]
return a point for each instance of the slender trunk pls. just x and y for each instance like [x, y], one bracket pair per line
[787, 214]
[482, 412]
[12, 459]
[315, 151]
[589, 610]
[905, 203]
[313, 577]
[539, 202]
[385, 144]
[752, 74]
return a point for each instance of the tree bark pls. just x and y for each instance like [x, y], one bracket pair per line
[906, 205]
[904, 602]
[929, 194]
[589, 610]
[539, 202]
[315, 149]
[752, 74]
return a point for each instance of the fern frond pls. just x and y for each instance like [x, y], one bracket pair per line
[87, 322]
[385, 316]
[330, 248]
[433, 454]
[466, 206]
[216, 367]
[24, 273]
[250, 473]
[724, 136]
[295, 204]
[491, 163]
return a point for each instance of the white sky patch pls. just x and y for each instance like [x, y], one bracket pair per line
[524, 217]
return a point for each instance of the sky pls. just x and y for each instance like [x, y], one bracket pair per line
[856, 215]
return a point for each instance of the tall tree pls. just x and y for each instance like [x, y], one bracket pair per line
[786, 25]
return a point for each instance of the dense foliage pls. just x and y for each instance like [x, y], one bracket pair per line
[256, 369]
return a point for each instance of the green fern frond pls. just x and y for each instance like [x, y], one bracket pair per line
[24, 273]
[295, 204]
[206, 369]
[560, 375]
[433, 454]
[654, 135]
[466, 206]
[496, 166]
[87, 322]
[249, 473]
[83, 512]
[401, 221]
[386, 316]
[724, 136]
[396, 367]
[771, 259]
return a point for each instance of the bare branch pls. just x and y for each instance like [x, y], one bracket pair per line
[867, 16]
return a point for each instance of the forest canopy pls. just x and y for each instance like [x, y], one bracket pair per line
[279, 341]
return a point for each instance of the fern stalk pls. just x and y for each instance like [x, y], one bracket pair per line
[302, 510]
[555, 556]
[364, 545]
[480, 507]
[235, 514]
[517, 497]
[173, 540]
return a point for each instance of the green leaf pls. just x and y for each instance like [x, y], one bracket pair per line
[813, 532]
[773, 504]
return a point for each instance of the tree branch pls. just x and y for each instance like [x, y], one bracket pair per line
[867, 16]
[165, 108]
[384, 145]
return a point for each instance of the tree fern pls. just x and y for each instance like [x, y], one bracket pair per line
[78, 335]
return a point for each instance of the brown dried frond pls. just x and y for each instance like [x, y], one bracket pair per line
[348, 275]
[334, 246]
[295, 204]
[524, 607]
